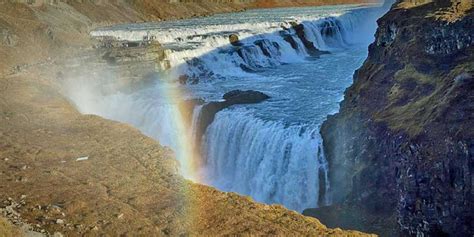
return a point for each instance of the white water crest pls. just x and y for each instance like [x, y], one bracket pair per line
[200, 49]
[271, 151]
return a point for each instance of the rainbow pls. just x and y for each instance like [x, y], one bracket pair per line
[188, 156]
[185, 149]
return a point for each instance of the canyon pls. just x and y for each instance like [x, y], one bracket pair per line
[65, 173]
[396, 159]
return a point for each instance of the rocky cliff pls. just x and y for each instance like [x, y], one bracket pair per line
[63, 172]
[401, 149]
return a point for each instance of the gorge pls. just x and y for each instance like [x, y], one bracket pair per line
[358, 115]
[272, 150]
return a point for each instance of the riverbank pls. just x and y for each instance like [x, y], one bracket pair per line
[64, 172]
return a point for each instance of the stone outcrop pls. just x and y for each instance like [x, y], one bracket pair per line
[401, 148]
[235, 97]
[298, 30]
[309, 45]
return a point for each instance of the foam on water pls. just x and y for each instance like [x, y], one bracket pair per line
[200, 47]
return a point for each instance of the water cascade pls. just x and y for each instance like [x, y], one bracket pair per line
[267, 160]
[271, 151]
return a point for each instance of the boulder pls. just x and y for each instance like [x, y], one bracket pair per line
[245, 97]
[234, 40]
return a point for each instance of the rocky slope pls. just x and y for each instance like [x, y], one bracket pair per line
[36, 32]
[64, 172]
[401, 148]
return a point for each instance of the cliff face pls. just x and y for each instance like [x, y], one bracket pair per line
[401, 148]
[124, 182]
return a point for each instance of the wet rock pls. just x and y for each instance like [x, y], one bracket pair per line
[289, 38]
[209, 111]
[463, 78]
[202, 71]
[186, 108]
[293, 23]
[245, 97]
[249, 52]
[310, 48]
[446, 39]
[268, 48]
[183, 79]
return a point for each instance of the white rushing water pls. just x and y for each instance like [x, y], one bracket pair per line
[264, 159]
[271, 151]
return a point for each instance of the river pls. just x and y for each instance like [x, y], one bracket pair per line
[271, 151]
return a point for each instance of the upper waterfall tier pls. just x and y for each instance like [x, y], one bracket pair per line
[199, 50]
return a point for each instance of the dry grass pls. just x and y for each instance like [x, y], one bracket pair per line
[8, 230]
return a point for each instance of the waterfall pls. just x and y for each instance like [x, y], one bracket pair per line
[282, 46]
[195, 121]
[267, 160]
[272, 160]
[204, 53]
